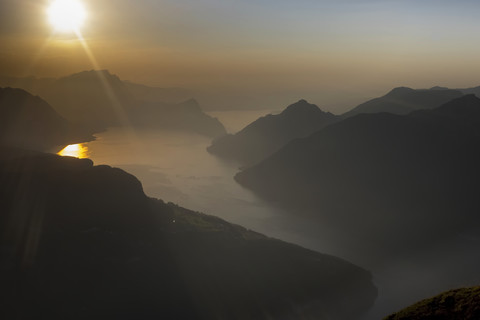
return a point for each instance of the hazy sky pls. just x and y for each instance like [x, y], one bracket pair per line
[256, 53]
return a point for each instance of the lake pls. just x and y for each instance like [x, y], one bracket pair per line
[176, 167]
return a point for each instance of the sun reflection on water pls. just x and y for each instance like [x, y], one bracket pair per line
[75, 150]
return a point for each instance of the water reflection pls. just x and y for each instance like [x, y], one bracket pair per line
[75, 150]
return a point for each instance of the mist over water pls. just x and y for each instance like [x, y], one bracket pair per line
[176, 167]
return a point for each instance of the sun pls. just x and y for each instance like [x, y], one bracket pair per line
[66, 15]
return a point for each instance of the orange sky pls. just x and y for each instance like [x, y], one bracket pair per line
[256, 53]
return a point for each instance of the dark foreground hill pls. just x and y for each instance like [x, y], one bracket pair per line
[27, 121]
[84, 242]
[388, 181]
[404, 100]
[460, 304]
[98, 99]
[267, 134]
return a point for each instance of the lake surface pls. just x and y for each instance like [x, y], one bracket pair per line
[176, 167]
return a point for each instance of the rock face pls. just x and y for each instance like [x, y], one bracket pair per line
[268, 134]
[84, 242]
[460, 304]
[404, 100]
[27, 121]
[395, 182]
[97, 99]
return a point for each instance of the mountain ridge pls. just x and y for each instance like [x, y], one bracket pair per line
[28, 121]
[403, 100]
[350, 173]
[113, 102]
[267, 134]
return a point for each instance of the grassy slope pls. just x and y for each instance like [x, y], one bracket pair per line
[459, 304]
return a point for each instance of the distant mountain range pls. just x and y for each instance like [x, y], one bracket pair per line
[138, 91]
[398, 178]
[99, 99]
[84, 242]
[266, 135]
[404, 100]
[29, 122]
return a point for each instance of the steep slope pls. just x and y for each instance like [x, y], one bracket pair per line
[27, 121]
[394, 182]
[82, 241]
[267, 134]
[460, 304]
[404, 100]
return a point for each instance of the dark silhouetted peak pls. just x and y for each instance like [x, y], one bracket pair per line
[13, 94]
[301, 106]
[400, 91]
[92, 75]
[268, 134]
[191, 104]
[23, 104]
[438, 88]
[29, 122]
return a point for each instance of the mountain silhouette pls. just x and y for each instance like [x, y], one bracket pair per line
[404, 100]
[154, 94]
[31, 84]
[458, 304]
[97, 99]
[29, 122]
[438, 88]
[474, 90]
[184, 116]
[80, 241]
[394, 182]
[267, 134]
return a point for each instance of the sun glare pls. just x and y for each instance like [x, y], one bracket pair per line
[67, 15]
[74, 150]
